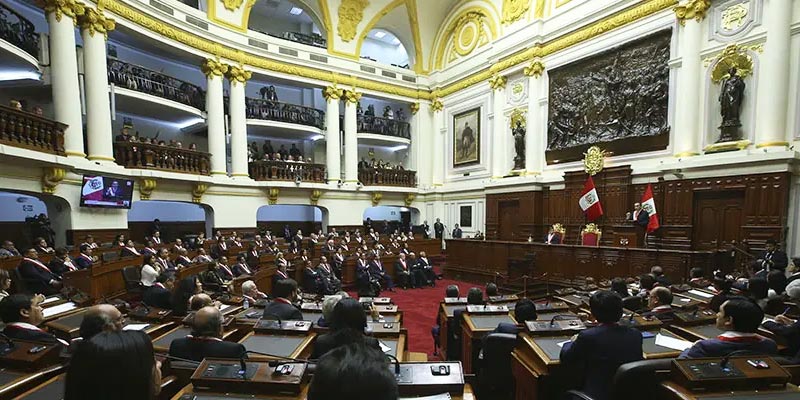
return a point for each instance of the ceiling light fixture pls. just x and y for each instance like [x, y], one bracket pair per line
[395, 41]
[380, 34]
[296, 11]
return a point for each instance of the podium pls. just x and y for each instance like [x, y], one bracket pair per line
[629, 235]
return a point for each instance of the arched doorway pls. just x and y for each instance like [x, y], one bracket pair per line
[387, 219]
[175, 219]
[385, 47]
[25, 216]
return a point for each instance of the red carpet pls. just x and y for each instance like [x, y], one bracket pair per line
[419, 308]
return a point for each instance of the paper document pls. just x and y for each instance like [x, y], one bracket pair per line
[384, 347]
[135, 327]
[701, 293]
[686, 300]
[50, 300]
[443, 396]
[561, 344]
[61, 308]
[225, 307]
[672, 343]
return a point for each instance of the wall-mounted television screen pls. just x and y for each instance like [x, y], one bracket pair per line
[102, 191]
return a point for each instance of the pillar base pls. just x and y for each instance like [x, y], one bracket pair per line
[75, 154]
[727, 146]
[102, 159]
[686, 154]
[772, 144]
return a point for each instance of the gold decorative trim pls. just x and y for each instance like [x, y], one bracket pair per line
[197, 192]
[70, 8]
[594, 160]
[498, 82]
[272, 195]
[411, 7]
[231, 5]
[351, 96]
[591, 228]
[535, 69]
[351, 12]
[557, 227]
[75, 153]
[95, 21]
[518, 115]
[332, 93]
[101, 158]
[51, 177]
[686, 154]
[238, 74]
[376, 198]
[213, 67]
[437, 105]
[146, 187]
[772, 144]
[314, 197]
[477, 15]
[414, 107]
[538, 12]
[732, 57]
[513, 10]
[727, 146]
[212, 15]
[692, 9]
[409, 199]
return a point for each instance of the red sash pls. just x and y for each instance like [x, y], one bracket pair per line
[739, 339]
[38, 264]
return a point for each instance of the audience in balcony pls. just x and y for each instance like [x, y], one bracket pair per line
[22, 105]
[378, 164]
[8, 250]
[143, 80]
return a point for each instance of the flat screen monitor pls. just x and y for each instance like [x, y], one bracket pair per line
[106, 192]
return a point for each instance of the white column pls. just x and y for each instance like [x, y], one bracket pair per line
[215, 115]
[536, 126]
[773, 89]
[421, 149]
[438, 164]
[238, 78]
[94, 29]
[687, 137]
[498, 147]
[350, 136]
[64, 74]
[333, 158]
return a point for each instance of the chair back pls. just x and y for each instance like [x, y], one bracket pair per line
[633, 303]
[133, 278]
[18, 285]
[495, 379]
[590, 235]
[634, 378]
[110, 256]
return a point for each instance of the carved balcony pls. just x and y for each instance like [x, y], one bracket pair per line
[17, 30]
[31, 131]
[141, 79]
[286, 171]
[284, 112]
[163, 158]
[387, 177]
[384, 126]
[313, 39]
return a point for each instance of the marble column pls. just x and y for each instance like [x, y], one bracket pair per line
[499, 128]
[333, 159]
[351, 136]
[536, 124]
[62, 18]
[773, 88]
[238, 78]
[94, 31]
[438, 150]
[215, 115]
[421, 150]
[687, 127]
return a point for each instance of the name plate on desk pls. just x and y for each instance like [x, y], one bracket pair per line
[384, 327]
[429, 378]
[552, 306]
[386, 308]
[455, 300]
[375, 300]
[698, 317]
[639, 322]
[269, 325]
[487, 309]
[227, 376]
[503, 299]
[743, 373]
[311, 306]
[548, 328]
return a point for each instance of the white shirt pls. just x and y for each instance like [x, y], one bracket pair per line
[149, 275]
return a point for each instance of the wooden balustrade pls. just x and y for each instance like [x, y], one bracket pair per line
[284, 112]
[164, 158]
[286, 171]
[387, 177]
[31, 131]
[141, 79]
[384, 126]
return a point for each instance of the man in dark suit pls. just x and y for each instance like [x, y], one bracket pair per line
[219, 249]
[62, 263]
[22, 314]
[330, 282]
[438, 229]
[223, 270]
[426, 268]
[457, 232]
[376, 271]
[552, 237]
[163, 260]
[658, 273]
[660, 303]
[253, 256]
[241, 267]
[100, 318]
[773, 257]
[37, 276]
[85, 259]
[284, 292]
[640, 216]
[739, 318]
[183, 261]
[602, 349]
[159, 295]
[403, 271]
[205, 340]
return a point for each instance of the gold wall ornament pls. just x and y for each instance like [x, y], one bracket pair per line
[538, 12]
[414, 107]
[146, 187]
[231, 5]
[272, 195]
[498, 82]
[95, 21]
[198, 190]
[734, 17]
[351, 12]
[409, 199]
[535, 69]
[213, 67]
[732, 57]
[332, 93]
[437, 105]
[593, 160]
[51, 177]
[351, 96]
[514, 10]
[314, 197]
[518, 115]
[70, 8]
[238, 74]
[518, 88]
[376, 198]
[557, 227]
[692, 9]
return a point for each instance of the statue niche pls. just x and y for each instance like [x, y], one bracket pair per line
[519, 145]
[730, 105]
[618, 98]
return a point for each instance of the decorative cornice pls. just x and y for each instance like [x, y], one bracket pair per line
[95, 21]
[198, 191]
[146, 187]
[535, 69]
[238, 74]
[351, 96]
[70, 8]
[513, 10]
[409, 199]
[213, 67]
[272, 195]
[314, 197]
[376, 198]
[414, 107]
[332, 93]
[231, 5]
[437, 105]
[51, 177]
[692, 9]
[498, 82]
[351, 12]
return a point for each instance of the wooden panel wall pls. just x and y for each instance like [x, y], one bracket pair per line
[530, 213]
[169, 230]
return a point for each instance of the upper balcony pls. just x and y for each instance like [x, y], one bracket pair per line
[144, 155]
[30, 131]
[17, 30]
[384, 126]
[19, 48]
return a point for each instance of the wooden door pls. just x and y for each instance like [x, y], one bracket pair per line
[718, 218]
[509, 220]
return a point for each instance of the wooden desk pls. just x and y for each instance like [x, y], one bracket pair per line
[191, 270]
[103, 279]
[189, 393]
[280, 345]
[15, 382]
[474, 328]
[68, 327]
[51, 389]
[671, 390]
[699, 332]
[161, 343]
[398, 345]
[534, 362]
[445, 317]
[262, 277]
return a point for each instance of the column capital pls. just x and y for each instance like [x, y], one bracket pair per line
[95, 21]
[534, 69]
[498, 82]
[351, 96]
[332, 93]
[414, 107]
[60, 8]
[238, 74]
[692, 9]
[437, 105]
[213, 67]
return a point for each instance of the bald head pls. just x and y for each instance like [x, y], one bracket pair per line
[207, 322]
[199, 301]
[100, 318]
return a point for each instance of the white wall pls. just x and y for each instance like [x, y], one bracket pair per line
[289, 213]
[16, 207]
[146, 211]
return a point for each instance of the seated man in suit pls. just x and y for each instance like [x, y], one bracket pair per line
[376, 270]
[149, 248]
[220, 248]
[100, 318]
[85, 259]
[285, 293]
[61, 263]
[361, 366]
[8, 250]
[241, 267]
[552, 237]
[163, 260]
[205, 340]
[403, 271]
[223, 271]
[253, 256]
[42, 247]
[661, 279]
[251, 293]
[183, 261]
[602, 349]
[37, 276]
[427, 270]
[156, 238]
[160, 294]
[281, 272]
[312, 280]
[330, 283]
[202, 257]
[129, 250]
[697, 279]
[22, 314]
[660, 303]
[740, 318]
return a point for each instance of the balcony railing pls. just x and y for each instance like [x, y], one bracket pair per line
[286, 171]
[17, 30]
[284, 112]
[31, 131]
[144, 80]
[384, 126]
[163, 158]
[310, 40]
[387, 177]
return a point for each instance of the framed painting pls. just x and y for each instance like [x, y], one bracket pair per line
[467, 138]
[465, 219]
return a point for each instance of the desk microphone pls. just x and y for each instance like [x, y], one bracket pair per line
[724, 363]
[559, 316]
[10, 345]
[396, 364]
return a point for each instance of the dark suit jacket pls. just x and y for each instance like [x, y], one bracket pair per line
[778, 258]
[399, 268]
[555, 240]
[790, 333]
[375, 268]
[159, 297]
[183, 262]
[59, 267]
[457, 233]
[198, 348]
[217, 251]
[14, 332]
[719, 348]
[36, 279]
[83, 263]
[286, 312]
[643, 219]
[239, 270]
[601, 350]
[127, 253]
[223, 273]
[330, 341]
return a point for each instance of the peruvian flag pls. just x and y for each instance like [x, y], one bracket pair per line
[92, 188]
[590, 202]
[649, 205]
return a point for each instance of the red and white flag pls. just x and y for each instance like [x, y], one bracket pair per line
[649, 205]
[590, 202]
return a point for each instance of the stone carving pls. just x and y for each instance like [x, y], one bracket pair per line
[730, 104]
[519, 145]
[514, 10]
[351, 12]
[620, 94]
